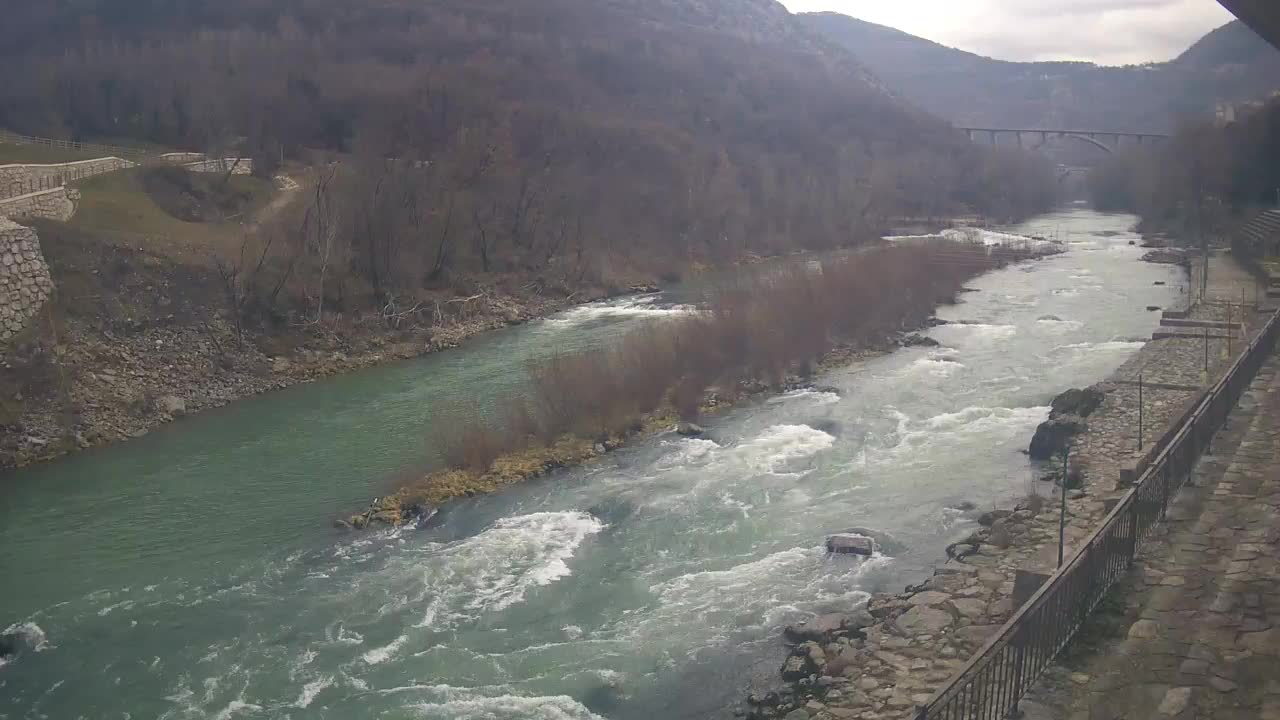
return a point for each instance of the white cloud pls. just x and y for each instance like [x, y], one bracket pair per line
[1108, 32]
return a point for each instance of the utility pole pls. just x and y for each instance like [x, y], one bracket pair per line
[1062, 512]
[1140, 413]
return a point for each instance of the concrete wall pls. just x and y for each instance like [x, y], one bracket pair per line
[211, 166]
[56, 204]
[27, 178]
[182, 157]
[25, 283]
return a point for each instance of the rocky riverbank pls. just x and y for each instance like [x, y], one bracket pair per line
[881, 660]
[96, 385]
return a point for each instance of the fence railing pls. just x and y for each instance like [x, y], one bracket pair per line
[16, 139]
[992, 683]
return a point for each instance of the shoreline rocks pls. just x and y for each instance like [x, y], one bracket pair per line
[1067, 415]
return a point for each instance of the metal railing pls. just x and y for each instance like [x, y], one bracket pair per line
[991, 684]
[16, 139]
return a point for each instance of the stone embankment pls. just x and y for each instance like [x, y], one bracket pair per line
[27, 178]
[25, 283]
[882, 661]
[56, 204]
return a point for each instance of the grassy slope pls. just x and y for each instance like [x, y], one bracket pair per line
[42, 155]
[117, 204]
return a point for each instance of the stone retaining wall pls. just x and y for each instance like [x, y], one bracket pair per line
[245, 166]
[180, 158]
[27, 178]
[56, 204]
[25, 283]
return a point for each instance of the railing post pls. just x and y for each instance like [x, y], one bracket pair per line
[1132, 546]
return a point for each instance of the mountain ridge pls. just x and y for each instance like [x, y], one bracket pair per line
[1230, 64]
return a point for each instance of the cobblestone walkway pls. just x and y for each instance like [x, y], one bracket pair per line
[1198, 635]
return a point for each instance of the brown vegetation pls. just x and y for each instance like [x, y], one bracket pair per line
[758, 331]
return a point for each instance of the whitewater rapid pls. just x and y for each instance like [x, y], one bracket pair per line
[192, 576]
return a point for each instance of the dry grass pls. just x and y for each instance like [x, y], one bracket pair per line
[117, 204]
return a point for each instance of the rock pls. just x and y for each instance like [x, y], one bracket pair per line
[987, 519]
[1222, 685]
[930, 597]
[798, 666]
[969, 608]
[1050, 318]
[1143, 630]
[8, 647]
[850, 544]
[817, 630]
[923, 620]
[171, 405]
[1000, 535]
[974, 634]
[1175, 701]
[797, 714]
[1054, 435]
[1077, 402]
[964, 506]
[689, 429]
[1154, 308]
[1158, 282]
[917, 340]
[1079, 678]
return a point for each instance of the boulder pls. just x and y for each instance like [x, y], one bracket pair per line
[689, 429]
[964, 506]
[819, 629]
[917, 340]
[987, 519]
[1054, 435]
[171, 405]
[923, 620]
[850, 544]
[1000, 535]
[1077, 402]
[797, 667]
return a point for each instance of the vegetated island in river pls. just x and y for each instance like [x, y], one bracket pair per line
[765, 333]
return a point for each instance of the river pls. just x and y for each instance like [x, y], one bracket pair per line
[193, 573]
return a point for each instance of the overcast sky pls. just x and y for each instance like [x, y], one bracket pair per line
[1108, 32]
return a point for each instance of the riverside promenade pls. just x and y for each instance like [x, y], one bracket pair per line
[1194, 631]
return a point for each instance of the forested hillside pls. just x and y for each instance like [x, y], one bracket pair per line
[1230, 64]
[562, 137]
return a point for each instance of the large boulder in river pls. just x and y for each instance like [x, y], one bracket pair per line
[1077, 402]
[689, 429]
[851, 544]
[1054, 435]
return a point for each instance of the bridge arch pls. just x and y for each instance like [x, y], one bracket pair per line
[1091, 140]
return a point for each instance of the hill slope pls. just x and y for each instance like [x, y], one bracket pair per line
[1230, 64]
[689, 128]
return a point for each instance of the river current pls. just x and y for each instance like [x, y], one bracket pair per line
[193, 573]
